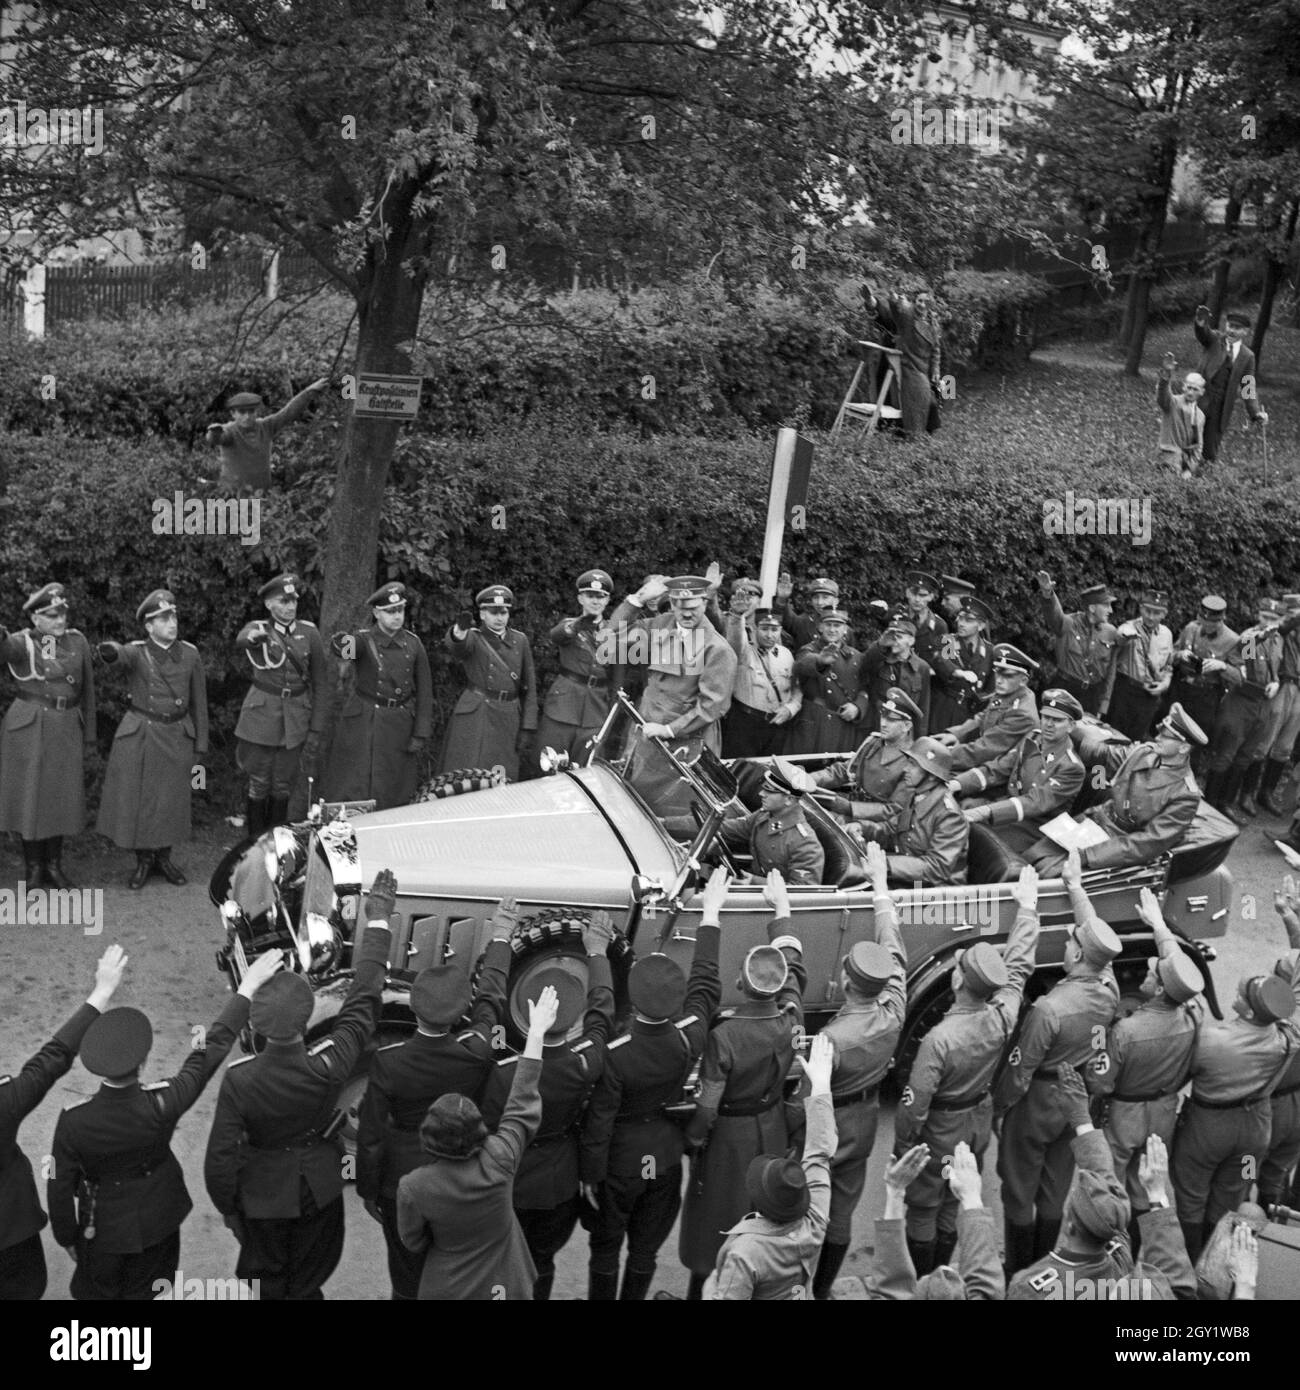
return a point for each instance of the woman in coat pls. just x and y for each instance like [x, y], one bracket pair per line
[459, 1207]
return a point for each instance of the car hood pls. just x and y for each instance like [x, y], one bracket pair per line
[578, 836]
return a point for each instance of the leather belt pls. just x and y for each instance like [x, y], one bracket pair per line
[592, 683]
[741, 1111]
[1225, 1104]
[499, 696]
[285, 692]
[1145, 1099]
[855, 1097]
[174, 718]
[1289, 680]
[373, 697]
[949, 1105]
[52, 701]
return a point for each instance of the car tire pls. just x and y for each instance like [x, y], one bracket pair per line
[460, 781]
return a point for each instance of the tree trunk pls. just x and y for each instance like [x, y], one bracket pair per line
[1218, 299]
[1146, 255]
[1274, 272]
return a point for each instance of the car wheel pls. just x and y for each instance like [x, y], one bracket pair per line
[919, 1022]
[463, 779]
[548, 940]
[1129, 975]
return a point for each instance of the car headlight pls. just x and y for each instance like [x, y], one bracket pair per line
[320, 948]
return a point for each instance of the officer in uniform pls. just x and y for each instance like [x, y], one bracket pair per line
[1224, 1130]
[146, 800]
[494, 723]
[963, 666]
[405, 1078]
[285, 710]
[1206, 638]
[1060, 1031]
[1087, 643]
[630, 1159]
[1241, 727]
[42, 798]
[1284, 723]
[834, 702]
[864, 786]
[22, 1258]
[864, 1033]
[801, 628]
[546, 1197]
[922, 589]
[388, 718]
[926, 832]
[577, 703]
[1153, 799]
[776, 836]
[947, 1100]
[1149, 1054]
[116, 1192]
[740, 1111]
[274, 1164]
[1004, 721]
[691, 671]
[1040, 776]
[892, 664]
[956, 591]
[1144, 667]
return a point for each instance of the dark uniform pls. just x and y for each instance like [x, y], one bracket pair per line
[784, 841]
[284, 712]
[1085, 652]
[997, 729]
[269, 1163]
[1061, 1030]
[42, 796]
[1275, 1173]
[880, 673]
[546, 1198]
[931, 634]
[1034, 784]
[801, 628]
[953, 700]
[405, 1078]
[146, 799]
[924, 830]
[740, 1113]
[116, 1192]
[578, 701]
[1200, 694]
[828, 682]
[1241, 726]
[389, 715]
[947, 1100]
[1145, 660]
[22, 1260]
[871, 776]
[631, 1151]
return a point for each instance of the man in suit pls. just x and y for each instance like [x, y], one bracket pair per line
[915, 325]
[1228, 367]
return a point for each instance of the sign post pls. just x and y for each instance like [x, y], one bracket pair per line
[787, 500]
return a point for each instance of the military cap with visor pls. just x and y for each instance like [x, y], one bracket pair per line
[116, 1043]
[158, 603]
[282, 586]
[389, 596]
[495, 596]
[48, 601]
[440, 996]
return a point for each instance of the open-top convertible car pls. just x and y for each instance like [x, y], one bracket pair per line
[581, 839]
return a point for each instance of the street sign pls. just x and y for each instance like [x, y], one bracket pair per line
[387, 397]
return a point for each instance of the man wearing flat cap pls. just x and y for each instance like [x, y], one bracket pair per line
[1152, 802]
[947, 1100]
[1092, 1259]
[23, 1273]
[388, 718]
[863, 1035]
[494, 721]
[864, 786]
[1018, 791]
[1149, 1054]
[769, 1255]
[285, 711]
[42, 796]
[963, 665]
[766, 695]
[163, 734]
[444, 1056]
[1087, 643]
[1228, 367]
[1284, 722]
[741, 1112]
[1200, 658]
[1144, 667]
[690, 674]
[1062, 1030]
[1004, 721]
[1225, 1128]
[547, 1200]
[630, 1152]
[246, 438]
[116, 1192]
[924, 830]
[579, 697]
[274, 1162]
[891, 664]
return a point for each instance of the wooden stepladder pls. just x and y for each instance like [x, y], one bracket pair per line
[870, 413]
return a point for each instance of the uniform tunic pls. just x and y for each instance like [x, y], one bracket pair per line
[43, 734]
[947, 1098]
[1034, 785]
[931, 837]
[578, 700]
[785, 842]
[826, 689]
[499, 701]
[953, 700]
[873, 773]
[765, 685]
[998, 728]
[286, 699]
[1200, 695]
[931, 633]
[146, 800]
[1146, 659]
[1241, 726]
[1085, 654]
[913, 677]
[391, 704]
[1153, 801]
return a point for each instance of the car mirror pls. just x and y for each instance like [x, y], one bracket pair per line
[646, 889]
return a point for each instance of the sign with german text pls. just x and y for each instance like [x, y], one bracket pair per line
[387, 397]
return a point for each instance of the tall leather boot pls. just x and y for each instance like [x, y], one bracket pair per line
[944, 1245]
[54, 874]
[255, 812]
[162, 861]
[143, 868]
[1213, 793]
[33, 864]
[828, 1269]
[602, 1285]
[1274, 771]
[636, 1284]
[1246, 802]
[1193, 1238]
[1019, 1252]
[278, 812]
[922, 1253]
[1046, 1229]
[1232, 779]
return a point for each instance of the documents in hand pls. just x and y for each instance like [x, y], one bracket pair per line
[1074, 834]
